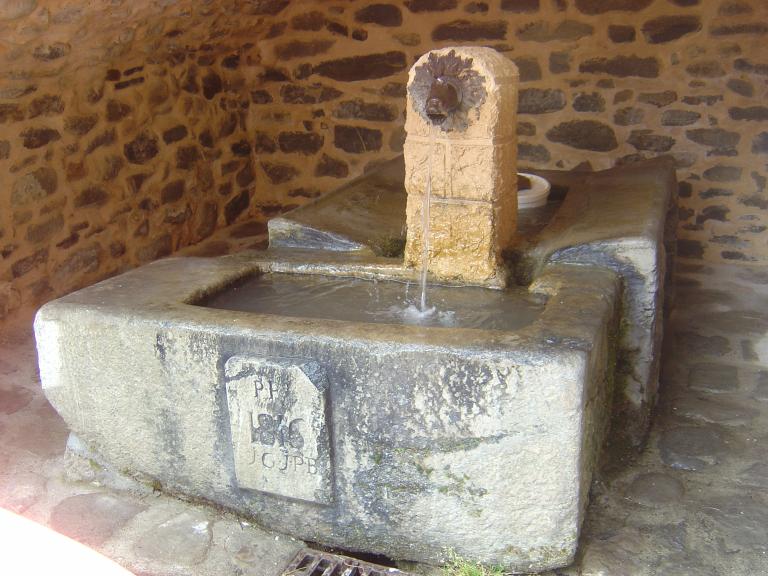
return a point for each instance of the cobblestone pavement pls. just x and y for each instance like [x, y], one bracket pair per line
[695, 502]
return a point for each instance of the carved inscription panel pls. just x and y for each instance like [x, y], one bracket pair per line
[278, 425]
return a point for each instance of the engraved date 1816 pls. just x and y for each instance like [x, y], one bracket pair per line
[270, 430]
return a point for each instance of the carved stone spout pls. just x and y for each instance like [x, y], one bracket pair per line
[461, 153]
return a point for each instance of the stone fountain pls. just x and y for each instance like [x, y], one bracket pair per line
[364, 431]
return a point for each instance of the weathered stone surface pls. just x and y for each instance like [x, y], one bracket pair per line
[106, 138]
[80, 125]
[628, 116]
[178, 132]
[622, 66]
[91, 196]
[297, 393]
[744, 65]
[117, 110]
[141, 149]
[734, 8]
[185, 468]
[228, 125]
[29, 263]
[316, 93]
[688, 248]
[528, 69]
[246, 176]
[520, 6]
[559, 62]
[658, 99]
[329, 166]
[476, 7]
[381, 14]
[267, 7]
[542, 31]
[356, 139]
[158, 248]
[93, 518]
[757, 28]
[470, 31]
[312, 20]
[741, 87]
[264, 144]
[669, 28]
[12, 9]
[535, 153]
[430, 5]
[709, 377]
[716, 411]
[181, 539]
[714, 137]
[540, 100]
[302, 48]
[279, 173]
[723, 173]
[10, 113]
[740, 521]
[526, 129]
[39, 137]
[359, 109]
[584, 135]
[187, 157]
[53, 51]
[111, 166]
[706, 69]
[679, 117]
[212, 85]
[699, 345]
[760, 143]
[172, 191]
[603, 6]
[43, 230]
[655, 489]
[13, 398]
[708, 100]
[646, 140]
[34, 186]
[620, 34]
[261, 97]
[366, 67]
[241, 148]
[593, 102]
[306, 143]
[691, 448]
[715, 193]
[5, 149]
[755, 113]
[21, 491]
[237, 205]
[48, 105]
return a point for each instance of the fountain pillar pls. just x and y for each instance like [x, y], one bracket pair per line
[461, 131]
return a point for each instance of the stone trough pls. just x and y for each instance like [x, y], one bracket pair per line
[383, 436]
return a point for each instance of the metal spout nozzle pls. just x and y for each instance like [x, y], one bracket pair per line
[444, 97]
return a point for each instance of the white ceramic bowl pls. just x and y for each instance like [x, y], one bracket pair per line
[536, 195]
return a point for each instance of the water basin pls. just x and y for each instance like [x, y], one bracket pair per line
[379, 302]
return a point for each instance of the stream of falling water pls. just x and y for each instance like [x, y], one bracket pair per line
[425, 224]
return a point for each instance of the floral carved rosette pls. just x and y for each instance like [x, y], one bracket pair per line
[457, 72]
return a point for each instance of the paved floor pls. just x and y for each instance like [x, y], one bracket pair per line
[695, 502]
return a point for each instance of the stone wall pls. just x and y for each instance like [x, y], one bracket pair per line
[128, 130]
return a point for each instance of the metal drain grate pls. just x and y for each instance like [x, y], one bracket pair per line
[314, 563]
